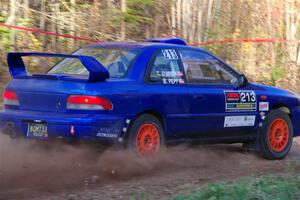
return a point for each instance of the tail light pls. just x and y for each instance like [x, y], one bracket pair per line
[83, 102]
[10, 98]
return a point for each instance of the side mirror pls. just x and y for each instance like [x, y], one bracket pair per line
[242, 80]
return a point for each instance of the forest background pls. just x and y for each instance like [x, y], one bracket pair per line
[273, 62]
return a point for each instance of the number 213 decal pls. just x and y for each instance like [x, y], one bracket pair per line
[240, 100]
[247, 97]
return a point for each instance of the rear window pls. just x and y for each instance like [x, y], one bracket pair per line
[115, 60]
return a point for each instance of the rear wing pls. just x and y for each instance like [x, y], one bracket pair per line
[97, 72]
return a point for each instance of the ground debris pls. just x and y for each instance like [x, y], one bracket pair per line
[81, 173]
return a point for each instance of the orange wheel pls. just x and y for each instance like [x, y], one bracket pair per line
[146, 135]
[147, 139]
[278, 135]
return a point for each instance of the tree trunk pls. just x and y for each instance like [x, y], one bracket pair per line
[292, 20]
[12, 21]
[123, 23]
[178, 14]
[193, 11]
[53, 25]
[199, 22]
[43, 23]
[26, 16]
[173, 19]
[271, 33]
[208, 19]
[156, 25]
[184, 19]
[72, 23]
[97, 5]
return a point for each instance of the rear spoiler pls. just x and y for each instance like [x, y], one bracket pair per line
[97, 72]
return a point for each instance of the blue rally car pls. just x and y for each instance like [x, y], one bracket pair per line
[145, 95]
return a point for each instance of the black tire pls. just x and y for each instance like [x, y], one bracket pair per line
[281, 144]
[135, 127]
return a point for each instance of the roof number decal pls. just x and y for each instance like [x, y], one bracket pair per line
[170, 54]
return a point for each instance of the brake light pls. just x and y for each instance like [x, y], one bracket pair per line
[83, 102]
[10, 98]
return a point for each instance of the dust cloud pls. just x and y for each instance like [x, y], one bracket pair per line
[28, 166]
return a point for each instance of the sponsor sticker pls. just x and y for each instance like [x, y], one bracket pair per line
[233, 96]
[170, 74]
[239, 121]
[263, 106]
[240, 100]
[171, 77]
[108, 133]
[172, 81]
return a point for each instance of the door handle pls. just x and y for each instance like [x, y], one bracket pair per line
[198, 97]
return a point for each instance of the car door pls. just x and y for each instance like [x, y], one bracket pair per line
[219, 107]
[166, 92]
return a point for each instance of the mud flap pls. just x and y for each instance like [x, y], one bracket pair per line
[254, 144]
[251, 146]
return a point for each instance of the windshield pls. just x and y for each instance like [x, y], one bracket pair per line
[115, 60]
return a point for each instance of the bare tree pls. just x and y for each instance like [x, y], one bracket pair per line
[123, 23]
[72, 22]
[12, 20]
[292, 19]
[42, 25]
[208, 18]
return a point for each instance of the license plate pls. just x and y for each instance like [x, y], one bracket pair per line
[37, 129]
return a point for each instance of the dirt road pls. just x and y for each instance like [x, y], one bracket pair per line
[31, 170]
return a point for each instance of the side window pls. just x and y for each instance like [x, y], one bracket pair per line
[166, 68]
[202, 68]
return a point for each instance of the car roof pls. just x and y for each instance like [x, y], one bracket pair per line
[140, 45]
[133, 44]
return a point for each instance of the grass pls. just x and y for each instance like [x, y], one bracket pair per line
[262, 188]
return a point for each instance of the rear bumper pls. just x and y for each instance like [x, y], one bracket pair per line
[85, 126]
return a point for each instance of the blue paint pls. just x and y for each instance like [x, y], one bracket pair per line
[187, 110]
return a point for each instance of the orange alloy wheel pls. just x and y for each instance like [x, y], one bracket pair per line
[148, 139]
[278, 135]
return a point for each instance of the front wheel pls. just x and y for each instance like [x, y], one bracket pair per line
[276, 137]
[146, 135]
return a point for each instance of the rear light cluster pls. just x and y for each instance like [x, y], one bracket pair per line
[84, 102]
[10, 98]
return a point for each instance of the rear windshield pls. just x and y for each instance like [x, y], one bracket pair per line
[115, 60]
